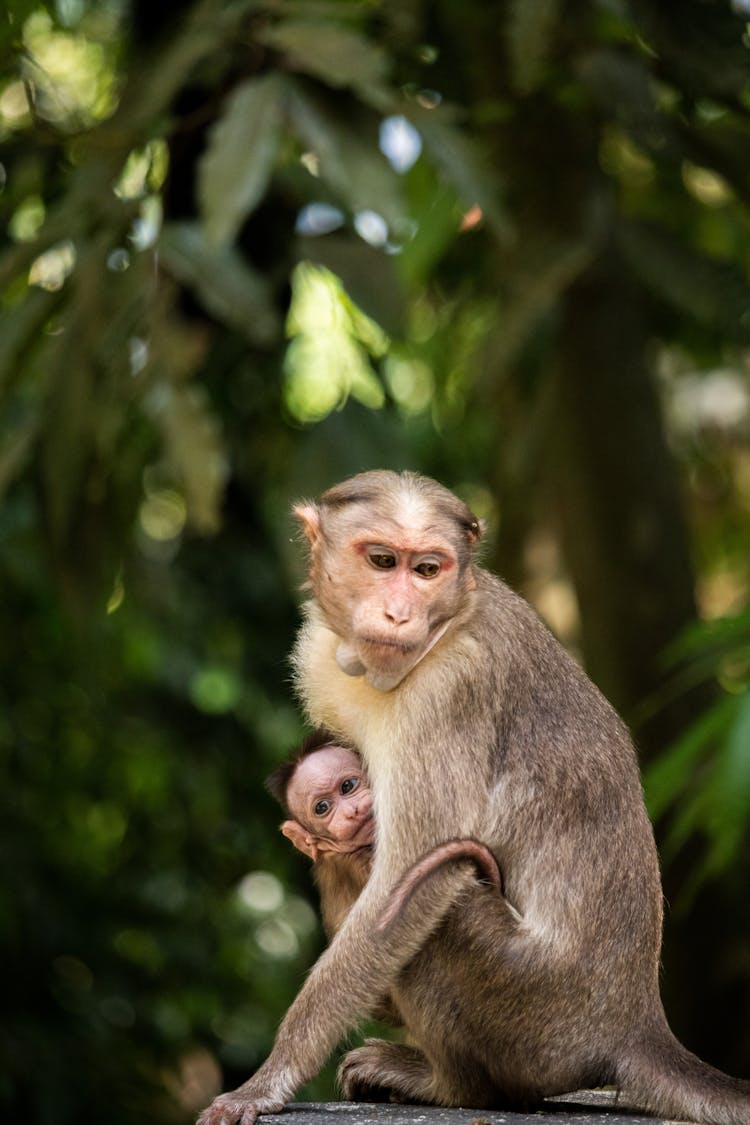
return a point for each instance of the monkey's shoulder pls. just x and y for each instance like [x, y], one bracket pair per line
[510, 631]
[508, 623]
[535, 666]
[500, 603]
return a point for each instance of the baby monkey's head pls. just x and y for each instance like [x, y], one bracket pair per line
[326, 792]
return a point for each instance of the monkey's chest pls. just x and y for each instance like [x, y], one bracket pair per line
[346, 705]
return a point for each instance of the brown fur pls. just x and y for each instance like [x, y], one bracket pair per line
[340, 880]
[340, 876]
[510, 743]
[482, 857]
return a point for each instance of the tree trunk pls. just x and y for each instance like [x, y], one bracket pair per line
[626, 545]
[621, 518]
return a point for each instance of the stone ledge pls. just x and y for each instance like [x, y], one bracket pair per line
[585, 1108]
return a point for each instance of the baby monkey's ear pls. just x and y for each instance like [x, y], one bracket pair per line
[303, 840]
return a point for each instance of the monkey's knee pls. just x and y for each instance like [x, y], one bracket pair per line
[381, 1071]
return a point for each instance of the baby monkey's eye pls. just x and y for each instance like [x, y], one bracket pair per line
[322, 808]
[349, 785]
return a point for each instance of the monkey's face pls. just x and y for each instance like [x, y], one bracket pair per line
[329, 794]
[390, 598]
[390, 565]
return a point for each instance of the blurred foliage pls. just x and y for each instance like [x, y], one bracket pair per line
[705, 776]
[250, 247]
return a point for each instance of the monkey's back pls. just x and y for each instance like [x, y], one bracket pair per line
[565, 987]
[569, 821]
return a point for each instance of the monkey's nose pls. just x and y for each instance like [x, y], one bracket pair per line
[361, 807]
[397, 614]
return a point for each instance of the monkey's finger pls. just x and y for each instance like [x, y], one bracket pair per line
[225, 1111]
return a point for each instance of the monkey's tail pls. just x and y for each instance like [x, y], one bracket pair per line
[467, 848]
[664, 1078]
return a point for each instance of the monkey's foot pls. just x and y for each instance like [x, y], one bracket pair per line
[381, 1071]
[238, 1107]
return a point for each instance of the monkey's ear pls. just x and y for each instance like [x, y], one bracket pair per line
[475, 530]
[300, 837]
[309, 516]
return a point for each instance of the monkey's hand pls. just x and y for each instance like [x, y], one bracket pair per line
[241, 1106]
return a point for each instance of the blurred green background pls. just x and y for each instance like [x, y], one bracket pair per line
[250, 247]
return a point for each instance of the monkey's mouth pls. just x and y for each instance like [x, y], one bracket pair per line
[385, 661]
[403, 647]
[365, 829]
[362, 836]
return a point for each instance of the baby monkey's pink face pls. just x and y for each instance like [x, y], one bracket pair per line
[329, 795]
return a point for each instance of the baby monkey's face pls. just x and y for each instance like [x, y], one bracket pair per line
[330, 796]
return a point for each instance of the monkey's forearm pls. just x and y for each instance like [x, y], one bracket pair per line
[369, 961]
[323, 1011]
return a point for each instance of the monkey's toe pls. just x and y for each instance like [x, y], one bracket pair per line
[360, 1078]
[381, 1071]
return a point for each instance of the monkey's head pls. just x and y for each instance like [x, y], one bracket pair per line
[390, 566]
[325, 788]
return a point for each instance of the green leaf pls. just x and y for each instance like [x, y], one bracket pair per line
[235, 169]
[665, 779]
[437, 213]
[368, 275]
[437, 227]
[226, 285]
[350, 163]
[457, 159]
[737, 760]
[713, 639]
[337, 55]
[702, 648]
[713, 803]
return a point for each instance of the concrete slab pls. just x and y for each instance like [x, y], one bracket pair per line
[585, 1108]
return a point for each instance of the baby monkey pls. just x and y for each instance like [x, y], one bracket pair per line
[325, 790]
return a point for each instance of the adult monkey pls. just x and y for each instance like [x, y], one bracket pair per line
[473, 721]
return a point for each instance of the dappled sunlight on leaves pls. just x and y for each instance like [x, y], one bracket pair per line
[51, 269]
[411, 382]
[71, 76]
[715, 750]
[145, 170]
[328, 358]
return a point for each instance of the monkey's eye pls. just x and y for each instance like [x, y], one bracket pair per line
[428, 568]
[349, 785]
[381, 558]
[322, 808]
